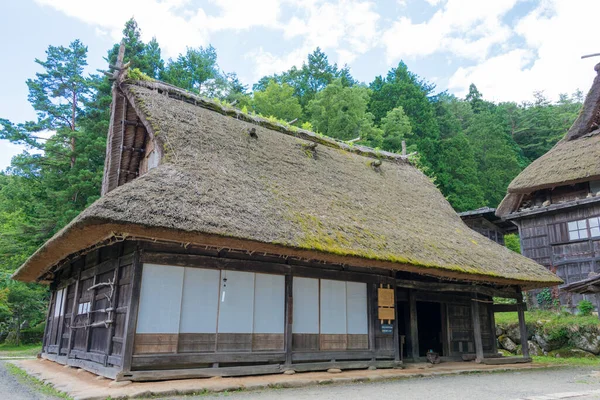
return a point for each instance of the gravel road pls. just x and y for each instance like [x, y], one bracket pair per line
[11, 388]
[536, 384]
[550, 384]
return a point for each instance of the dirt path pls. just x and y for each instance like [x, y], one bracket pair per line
[11, 387]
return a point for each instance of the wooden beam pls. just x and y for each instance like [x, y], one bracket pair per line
[289, 318]
[504, 308]
[397, 343]
[132, 313]
[523, 330]
[477, 330]
[112, 315]
[74, 312]
[454, 287]
[372, 314]
[414, 330]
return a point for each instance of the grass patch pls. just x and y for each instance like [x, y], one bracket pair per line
[550, 319]
[26, 350]
[35, 383]
[576, 362]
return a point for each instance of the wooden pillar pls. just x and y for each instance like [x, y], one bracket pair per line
[372, 315]
[74, 311]
[414, 330]
[477, 329]
[112, 315]
[492, 317]
[397, 343]
[289, 318]
[523, 329]
[48, 328]
[132, 313]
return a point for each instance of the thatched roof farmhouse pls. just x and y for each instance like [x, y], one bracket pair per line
[271, 247]
[555, 201]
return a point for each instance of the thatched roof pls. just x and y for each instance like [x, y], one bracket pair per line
[220, 186]
[572, 160]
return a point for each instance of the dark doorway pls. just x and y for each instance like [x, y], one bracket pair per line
[429, 323]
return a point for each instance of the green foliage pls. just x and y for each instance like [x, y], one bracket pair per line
[137, 75]
[340, 112]
[585, 307]
[544, 299]
[396, 127]
[512, 242]
[277, 100]
[196, 71]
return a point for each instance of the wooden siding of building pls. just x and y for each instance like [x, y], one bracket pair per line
[486, 228]
[545, 239]
[119, 351]
[90, 327]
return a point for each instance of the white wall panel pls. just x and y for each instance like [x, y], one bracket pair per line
[269, 303]
[306, 305]
[333, 307]
[356, 303]
[236, 302]
[160, 299]
[200, 301]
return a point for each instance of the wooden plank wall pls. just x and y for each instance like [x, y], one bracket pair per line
[545, 239]
[73, 335]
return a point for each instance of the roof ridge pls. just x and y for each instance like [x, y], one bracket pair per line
[200, 101]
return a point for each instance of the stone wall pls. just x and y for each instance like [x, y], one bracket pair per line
[556, 341]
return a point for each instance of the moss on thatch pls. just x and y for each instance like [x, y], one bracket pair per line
[219, 185]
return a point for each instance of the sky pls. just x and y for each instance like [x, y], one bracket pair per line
[508, 48]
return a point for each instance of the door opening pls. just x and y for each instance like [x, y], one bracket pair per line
[429, 323]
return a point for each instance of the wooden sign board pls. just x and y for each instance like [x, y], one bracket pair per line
[386, 313]
[385, 297]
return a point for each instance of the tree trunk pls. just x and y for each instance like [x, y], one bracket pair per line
[73, 111]
[18, 330]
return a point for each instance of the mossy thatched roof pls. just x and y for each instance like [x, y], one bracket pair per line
[218, 185]
[576, 158]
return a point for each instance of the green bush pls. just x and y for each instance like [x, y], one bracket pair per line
[585, 307]
[544, 299]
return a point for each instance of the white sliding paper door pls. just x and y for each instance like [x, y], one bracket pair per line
[200, 301]
[329, 315]
[160, 299]
[236, 302]
[306, 306]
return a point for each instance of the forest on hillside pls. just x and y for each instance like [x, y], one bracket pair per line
[471, 148]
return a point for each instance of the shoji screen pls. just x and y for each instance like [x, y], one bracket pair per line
[189, 310]
[159, 311]
[329, 315]
[199, 305]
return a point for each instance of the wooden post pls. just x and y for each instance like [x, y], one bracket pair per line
[403, 148]
[477, 330]
[523, 329]
[74, 310]
[289, 319]
[48, 328]
[397, 343]
[492, 317]
[414, 330]
[372, 315]
[132, 313]
[112, 315]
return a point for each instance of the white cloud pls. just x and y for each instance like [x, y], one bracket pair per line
[347, 27]
[466, 28]
[556, 34]
[175, 23]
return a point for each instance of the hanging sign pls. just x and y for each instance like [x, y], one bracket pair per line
[387, 329]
